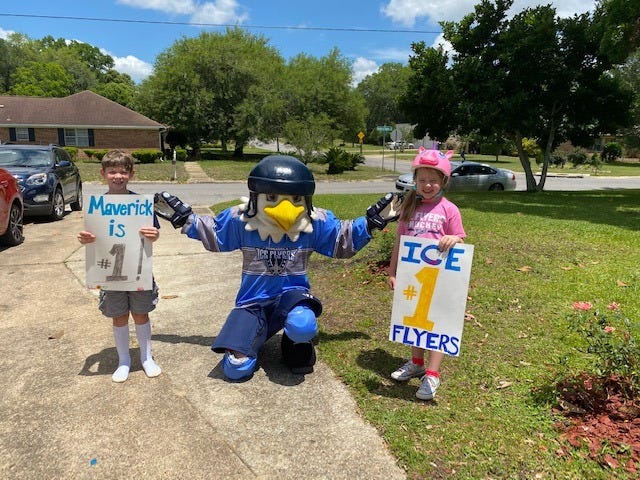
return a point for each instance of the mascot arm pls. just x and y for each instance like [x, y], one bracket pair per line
[385, 210]
[171, 208]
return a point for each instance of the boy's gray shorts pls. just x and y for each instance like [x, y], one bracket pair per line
[114, 303]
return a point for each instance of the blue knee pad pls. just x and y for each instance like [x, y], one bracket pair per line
[301, 325]
[236, 371]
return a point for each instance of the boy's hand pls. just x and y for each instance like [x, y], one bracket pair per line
[385, 210]
[171, 208]
[86, 237]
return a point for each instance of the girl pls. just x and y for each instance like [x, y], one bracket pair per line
[426, 213]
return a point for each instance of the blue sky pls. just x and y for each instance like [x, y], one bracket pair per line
[368, 33]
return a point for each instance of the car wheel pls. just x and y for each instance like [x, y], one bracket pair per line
[57, 209]
[76, 205]
[496, 186]
[13, 236]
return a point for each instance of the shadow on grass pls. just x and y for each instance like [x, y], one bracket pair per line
[620, 208]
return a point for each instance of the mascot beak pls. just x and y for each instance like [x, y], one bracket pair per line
[284, 214]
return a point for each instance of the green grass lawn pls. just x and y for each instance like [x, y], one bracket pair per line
[494, 415]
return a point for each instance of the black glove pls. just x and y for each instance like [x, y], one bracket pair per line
[171, 208]
[385, 210]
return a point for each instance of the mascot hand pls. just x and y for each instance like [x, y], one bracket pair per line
[385, 210]
[171, 208]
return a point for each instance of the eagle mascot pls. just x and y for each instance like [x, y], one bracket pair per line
[277, 229]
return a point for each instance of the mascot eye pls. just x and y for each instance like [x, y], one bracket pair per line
[272, 197]
[297, 198]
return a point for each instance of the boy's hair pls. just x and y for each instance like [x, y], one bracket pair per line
[117, 158]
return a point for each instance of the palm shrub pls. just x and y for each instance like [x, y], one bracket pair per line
[340, 160]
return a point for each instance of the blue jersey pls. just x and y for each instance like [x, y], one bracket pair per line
[270, 268]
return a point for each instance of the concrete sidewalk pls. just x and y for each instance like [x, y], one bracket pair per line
[61, 416]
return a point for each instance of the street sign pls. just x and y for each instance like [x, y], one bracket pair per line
[384, 129]
[396, 135]
[361, 136]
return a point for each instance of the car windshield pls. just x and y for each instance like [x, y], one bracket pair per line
[23, 158]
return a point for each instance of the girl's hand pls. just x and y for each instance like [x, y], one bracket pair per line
[447, 242]
[392, 282]
[86, 237]
[150, 233]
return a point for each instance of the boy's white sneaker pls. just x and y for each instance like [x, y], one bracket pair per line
[407, 371]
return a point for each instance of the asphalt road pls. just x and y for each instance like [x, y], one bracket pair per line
[216, 192]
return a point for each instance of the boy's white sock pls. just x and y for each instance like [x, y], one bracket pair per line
[121, 336]
[143, 333]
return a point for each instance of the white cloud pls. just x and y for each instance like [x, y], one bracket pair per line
[137, 69]
[411, 12]
[216, 12]
[4, 34]
[361, 68]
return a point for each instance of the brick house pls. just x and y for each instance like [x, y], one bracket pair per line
[84, 120]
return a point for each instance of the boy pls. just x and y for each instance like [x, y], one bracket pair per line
[117, 170]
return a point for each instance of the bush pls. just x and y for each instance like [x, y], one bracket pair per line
[577, 157]
[181, 154]
[146, 156]
[97, 154]
[611, 151]
[339, 160]
[610, 340]
[72, 151]
[558, 160]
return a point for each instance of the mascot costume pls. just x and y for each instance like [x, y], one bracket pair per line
[277, 229]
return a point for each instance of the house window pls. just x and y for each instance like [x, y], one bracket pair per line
[22, 134]
[78, 137]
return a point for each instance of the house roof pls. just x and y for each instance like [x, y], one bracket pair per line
[84, 109]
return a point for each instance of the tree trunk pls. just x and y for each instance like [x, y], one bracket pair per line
[526, 165]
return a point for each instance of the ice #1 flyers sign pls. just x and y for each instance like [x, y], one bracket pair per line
[430, 295]
[120, 258]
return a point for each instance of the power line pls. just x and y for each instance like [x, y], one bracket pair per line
[265, 27]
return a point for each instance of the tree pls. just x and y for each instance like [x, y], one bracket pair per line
[381, 92]
[618, 22]
[205, 86]
[320, 103]
[41, 80]
[535, 76]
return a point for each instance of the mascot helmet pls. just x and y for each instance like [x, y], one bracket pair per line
[433, 159]
[283, 175]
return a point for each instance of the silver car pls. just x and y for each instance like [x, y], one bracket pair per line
[469, 176]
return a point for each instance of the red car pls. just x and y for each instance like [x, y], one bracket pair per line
[11, 210]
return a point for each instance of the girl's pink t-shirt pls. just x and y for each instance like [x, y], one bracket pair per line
[433, 220]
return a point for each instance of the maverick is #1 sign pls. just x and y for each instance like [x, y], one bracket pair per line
[430, 295]
[120, 258]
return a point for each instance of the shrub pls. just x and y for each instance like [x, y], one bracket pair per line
[181, 154]
[611, 151]
[72, 151]
[558, 160]
[97, 154]
[146, 156]
[611, 340]
[577, 157]
[339, 160]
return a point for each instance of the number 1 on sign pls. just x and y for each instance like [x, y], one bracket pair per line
[427, 278]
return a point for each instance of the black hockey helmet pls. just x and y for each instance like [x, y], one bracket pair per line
[280, 174]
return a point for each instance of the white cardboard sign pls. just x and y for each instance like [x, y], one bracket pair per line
[120, 258]
[430, 295]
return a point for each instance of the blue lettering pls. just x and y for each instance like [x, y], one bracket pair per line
[432, 341]
[410, 255]
[124, 209]
[452, 258]
[425, 258]
[419, 333]
[396, 329]
[405, 339]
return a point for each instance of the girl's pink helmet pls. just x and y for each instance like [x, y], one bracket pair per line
[433, 159]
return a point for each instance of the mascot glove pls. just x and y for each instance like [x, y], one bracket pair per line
[385, 210]
[171, 208]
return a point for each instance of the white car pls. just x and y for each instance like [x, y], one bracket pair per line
[469, 176]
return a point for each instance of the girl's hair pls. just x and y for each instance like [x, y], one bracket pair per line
[411, 200]
[117, 158]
